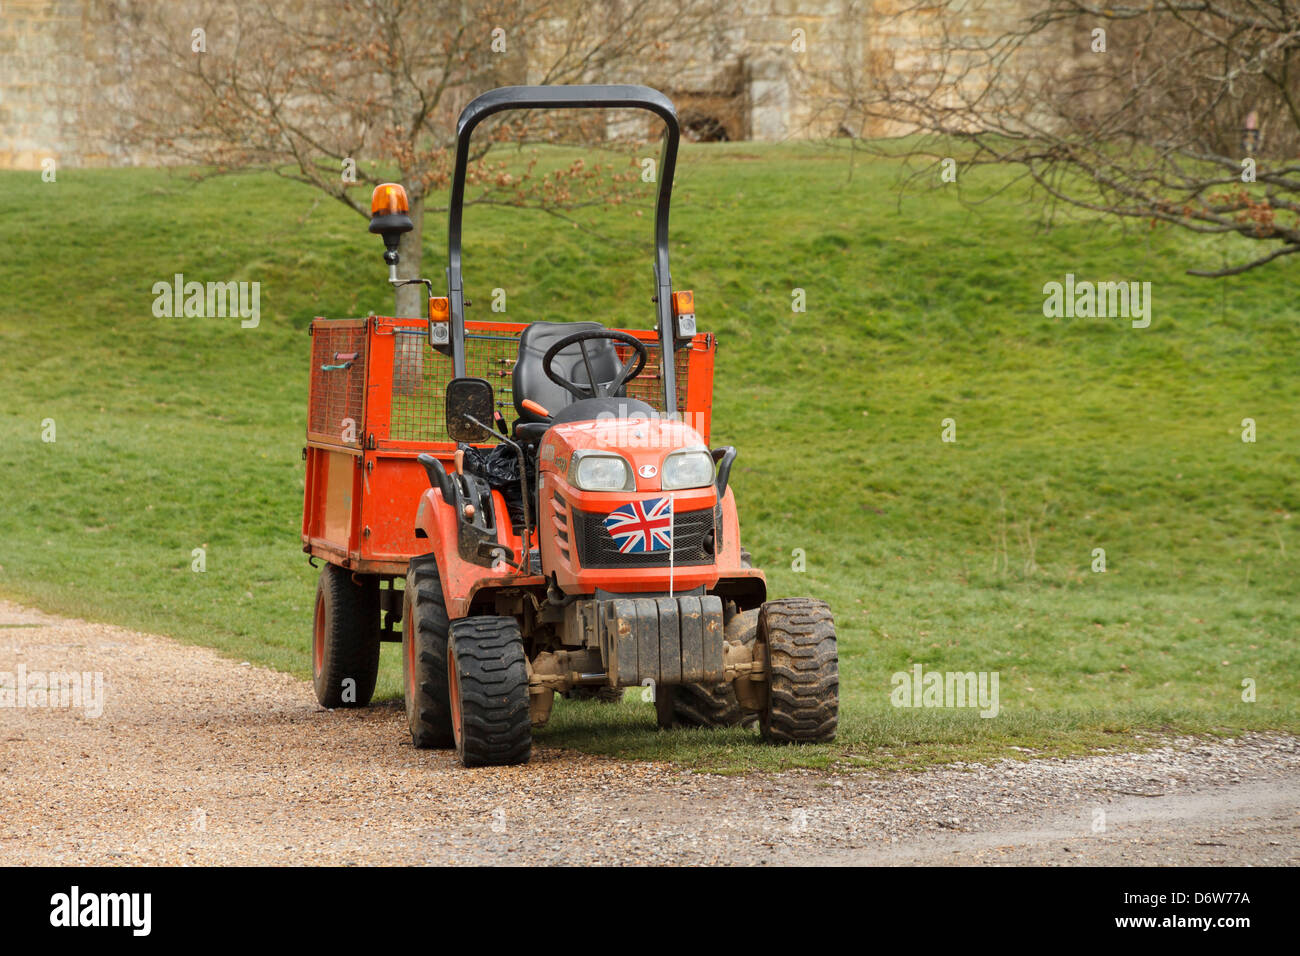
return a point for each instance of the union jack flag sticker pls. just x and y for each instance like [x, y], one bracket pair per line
[641, 526]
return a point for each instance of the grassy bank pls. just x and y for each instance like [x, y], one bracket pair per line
[973, 555]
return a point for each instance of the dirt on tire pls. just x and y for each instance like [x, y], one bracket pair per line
[489, 691]
[804, 677]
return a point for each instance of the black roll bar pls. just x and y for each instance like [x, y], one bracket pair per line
[569, 97]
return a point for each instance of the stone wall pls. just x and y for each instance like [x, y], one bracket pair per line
[55, 73]
[761, 77]
[38, 40]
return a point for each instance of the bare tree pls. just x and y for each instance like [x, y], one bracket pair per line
[342, 94]
[1184, 112]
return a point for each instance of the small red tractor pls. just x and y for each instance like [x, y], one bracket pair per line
[589, 545]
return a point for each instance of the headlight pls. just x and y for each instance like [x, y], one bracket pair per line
[687, 469]
[603, 473]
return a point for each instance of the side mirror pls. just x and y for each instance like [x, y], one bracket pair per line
[469, 398]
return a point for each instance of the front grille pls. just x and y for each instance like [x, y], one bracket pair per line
[693, 533]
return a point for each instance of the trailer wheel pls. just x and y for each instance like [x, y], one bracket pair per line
[345, 638]
[715, 705]
[488, 687]
[424, 655]
[803, 671]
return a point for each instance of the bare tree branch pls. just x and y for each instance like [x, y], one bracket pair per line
[1183, 112]
[337, 94]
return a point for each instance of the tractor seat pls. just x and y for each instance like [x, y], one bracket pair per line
[530, 379]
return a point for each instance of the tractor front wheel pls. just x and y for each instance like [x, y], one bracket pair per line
[345, 638]
[488, 690]
[803, 693]
[424, 655]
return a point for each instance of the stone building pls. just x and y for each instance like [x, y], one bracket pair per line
[760, 77]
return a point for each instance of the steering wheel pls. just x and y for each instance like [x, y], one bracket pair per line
[630, 370]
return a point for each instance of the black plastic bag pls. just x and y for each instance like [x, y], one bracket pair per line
[499, 467]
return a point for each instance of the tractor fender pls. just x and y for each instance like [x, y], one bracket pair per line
[729, 556]
[737, 580]
[436, 520]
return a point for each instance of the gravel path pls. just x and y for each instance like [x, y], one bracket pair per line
[198, 759]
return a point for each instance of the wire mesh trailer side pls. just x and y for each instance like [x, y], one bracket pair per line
[419, 377]
[336, 410]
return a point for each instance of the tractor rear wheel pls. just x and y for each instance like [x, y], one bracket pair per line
[488, 690]
[424, 655]
[803, 693]
[715, 705]
[345, 638]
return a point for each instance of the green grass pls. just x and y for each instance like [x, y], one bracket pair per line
[1072, 435]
